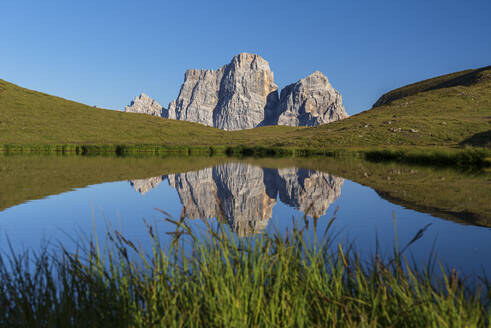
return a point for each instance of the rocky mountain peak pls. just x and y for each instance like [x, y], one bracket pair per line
[310, 101]
[243, 95]
[246, 60]
[239, 95]
[146, 105]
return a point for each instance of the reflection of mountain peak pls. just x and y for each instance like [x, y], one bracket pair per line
[244, 201]
[309, 191]
[244, 195]
[145, 185]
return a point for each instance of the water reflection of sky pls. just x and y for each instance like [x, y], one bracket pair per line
[361, 215]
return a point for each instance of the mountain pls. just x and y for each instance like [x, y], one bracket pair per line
[242, 95]
[146, 105]
[309, 102]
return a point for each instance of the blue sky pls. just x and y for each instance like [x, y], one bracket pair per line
[105, 52]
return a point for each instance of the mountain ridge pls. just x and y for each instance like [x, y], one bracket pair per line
[242, 95]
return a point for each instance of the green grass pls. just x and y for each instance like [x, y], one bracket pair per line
[462, 78]
[445, 112]
[222, 281]
[468, 158]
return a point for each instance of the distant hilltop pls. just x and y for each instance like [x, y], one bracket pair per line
[243, 95]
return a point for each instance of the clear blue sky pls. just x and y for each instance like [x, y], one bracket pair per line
[105, 52]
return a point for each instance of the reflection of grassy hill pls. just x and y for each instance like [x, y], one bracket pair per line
[25, 178]
[443, 193]
[445, 111]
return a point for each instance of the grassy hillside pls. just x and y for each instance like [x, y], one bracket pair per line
[464, 78]
[448, 116]
[448, 111]
[30, 117]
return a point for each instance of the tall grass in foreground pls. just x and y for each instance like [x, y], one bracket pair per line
[214, 279]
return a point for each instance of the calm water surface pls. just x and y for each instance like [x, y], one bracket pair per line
[251, 200]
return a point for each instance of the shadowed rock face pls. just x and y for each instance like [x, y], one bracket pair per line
[310, 102]
[146, 105]
[244, 195]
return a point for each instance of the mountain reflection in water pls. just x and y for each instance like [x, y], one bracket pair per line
[244, 195]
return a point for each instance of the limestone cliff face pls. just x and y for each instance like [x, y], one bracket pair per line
[248, 94]
[244, 195]
[198, 97]
[146, 105]
[240, 95]
[310, 102]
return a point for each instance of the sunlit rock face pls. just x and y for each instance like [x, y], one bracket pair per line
[239, 95]
[145, 185]
[248, 94]
[244, 195]
[309, 102]
[198, 96]
[145, 105]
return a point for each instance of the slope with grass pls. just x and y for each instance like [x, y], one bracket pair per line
[30, 117]
[447, 111]
[435, 115]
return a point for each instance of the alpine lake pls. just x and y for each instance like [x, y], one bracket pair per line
[438, 217]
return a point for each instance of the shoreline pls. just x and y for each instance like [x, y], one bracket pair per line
[468, 157]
